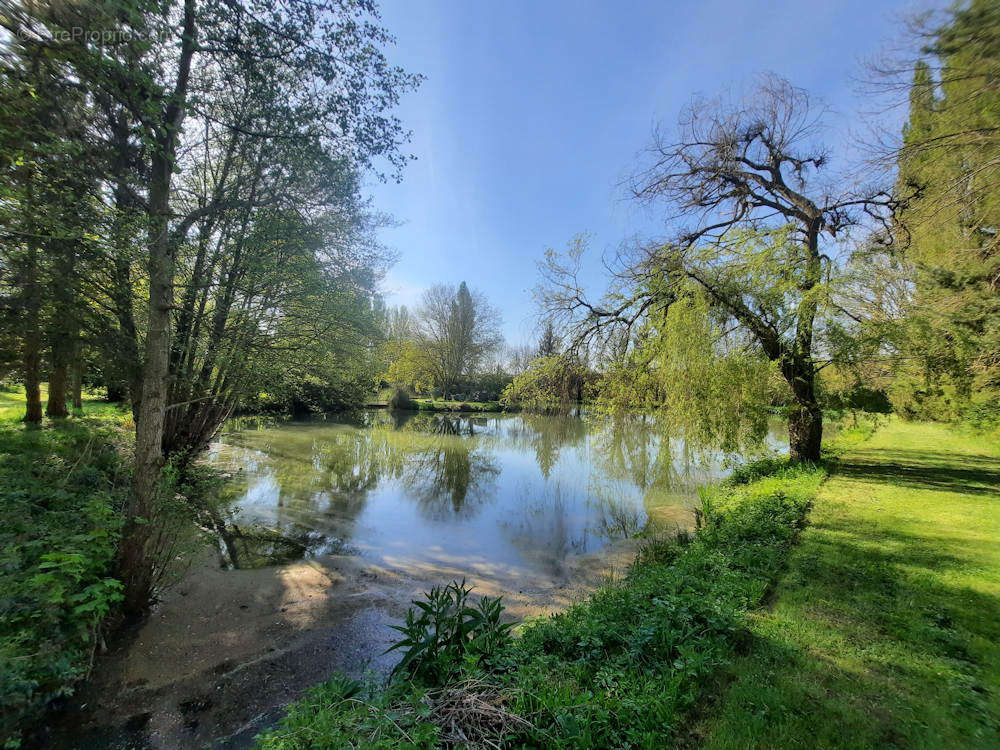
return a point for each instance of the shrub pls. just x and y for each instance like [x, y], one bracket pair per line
[549, 386]
[400, 399]
[444, 634]
[60, 493]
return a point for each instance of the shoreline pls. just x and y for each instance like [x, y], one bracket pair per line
[262, 636]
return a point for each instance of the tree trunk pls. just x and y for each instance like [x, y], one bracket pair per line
[56, 406]
[30, 336]
[805, 432]
[62, 330]
[137, 567]
[32, 381]
[805, 423]
[76, 383]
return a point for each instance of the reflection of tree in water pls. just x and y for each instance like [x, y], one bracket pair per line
[451, 479]
[438, 458]
[542, 529]
[616, 512]
[639, 449]
[546, 436]
[448, 469]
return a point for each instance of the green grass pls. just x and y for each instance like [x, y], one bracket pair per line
[431, 404]
[885, 632]
[12, 404]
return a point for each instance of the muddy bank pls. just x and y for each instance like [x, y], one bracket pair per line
[226, 649]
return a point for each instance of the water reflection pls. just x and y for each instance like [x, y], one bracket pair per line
[520, 492]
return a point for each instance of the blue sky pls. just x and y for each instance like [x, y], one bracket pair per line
[532, 113]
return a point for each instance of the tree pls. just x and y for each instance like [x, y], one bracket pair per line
[755, 229]
[519, 358]
[548, 343]
[456, 329]
[212, 114]
[548, 386]
[49, 197]
[948, 171]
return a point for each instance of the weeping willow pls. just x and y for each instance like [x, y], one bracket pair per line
[699, 379]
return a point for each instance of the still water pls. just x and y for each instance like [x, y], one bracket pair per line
[470, 492]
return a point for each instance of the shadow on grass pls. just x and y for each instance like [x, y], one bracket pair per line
[870, 647]
[979, 475]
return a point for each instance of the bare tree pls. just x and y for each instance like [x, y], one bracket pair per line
[519, 358]
[748, 168]
[457, 328]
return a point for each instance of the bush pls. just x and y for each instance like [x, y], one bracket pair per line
[982, 417]
[448, 634]
[400, 399]
[551, 385]
[61, 489]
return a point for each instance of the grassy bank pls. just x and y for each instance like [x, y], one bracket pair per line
[437, 404]
[61, 488]
[623, 668]
[885, 632]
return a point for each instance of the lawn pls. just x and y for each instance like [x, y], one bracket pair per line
[885, 631]
[12, 404]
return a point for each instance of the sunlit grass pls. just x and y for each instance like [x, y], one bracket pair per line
[886, 629]
[12, 404]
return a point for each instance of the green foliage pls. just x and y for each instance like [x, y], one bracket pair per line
[948, 177]
[622, 668]
[717, 395]
[444, 633]
[428, 404]
[983, 418]
[61, 490]
[550, 385]
[400, 398]
[341, 713]
[410, 367]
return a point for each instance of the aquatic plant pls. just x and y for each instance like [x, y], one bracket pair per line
[445, 633]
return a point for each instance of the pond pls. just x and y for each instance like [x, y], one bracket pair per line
[477, 495]
[331, 527]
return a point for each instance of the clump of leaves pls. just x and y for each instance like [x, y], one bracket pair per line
[444, 633]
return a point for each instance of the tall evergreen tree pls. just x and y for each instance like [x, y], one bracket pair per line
[949, 169]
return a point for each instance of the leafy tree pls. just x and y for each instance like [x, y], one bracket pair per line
[548, 386]
[757, 222]
[235, 136]
[949, 168]
[412, 367]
